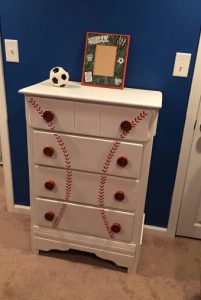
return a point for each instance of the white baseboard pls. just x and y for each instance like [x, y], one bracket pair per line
[148, 229]
[22, 209]
[155, 230]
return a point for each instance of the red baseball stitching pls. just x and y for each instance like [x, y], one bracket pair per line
[105, 169]
[66, 155]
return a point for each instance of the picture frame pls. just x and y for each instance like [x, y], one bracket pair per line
[105, 59]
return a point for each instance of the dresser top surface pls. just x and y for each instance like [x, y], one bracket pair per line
[76, 91]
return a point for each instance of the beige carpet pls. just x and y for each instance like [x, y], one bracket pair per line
[169, 269]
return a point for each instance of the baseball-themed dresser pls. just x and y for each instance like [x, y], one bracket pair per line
[89, 153]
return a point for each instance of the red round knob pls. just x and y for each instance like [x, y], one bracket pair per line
[49, 216]
[119, 196]
[48, 116]
[126, 126]
[116, 227]
[48, 151]
[49, 185]
[122, 161]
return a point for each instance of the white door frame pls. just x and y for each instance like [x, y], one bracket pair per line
[191, 116]
[5, 145]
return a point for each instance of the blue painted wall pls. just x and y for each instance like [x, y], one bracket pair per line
[52, 33]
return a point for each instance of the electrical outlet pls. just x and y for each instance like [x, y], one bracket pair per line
[181, 65]
[11, 49]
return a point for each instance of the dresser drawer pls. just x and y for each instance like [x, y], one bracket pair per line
[84, 219]
[109, 121]
[61, 113]
[114, 119]
[89, 119]
[88, 154]
[119, 193]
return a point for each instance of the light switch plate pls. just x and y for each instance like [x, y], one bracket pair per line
[181, 65]
[11, 49]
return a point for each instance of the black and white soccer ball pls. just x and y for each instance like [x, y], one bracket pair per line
[59, 77]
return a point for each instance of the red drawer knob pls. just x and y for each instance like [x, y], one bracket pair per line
[122, 161]
[126, 126]
[49, 216]
[49, 185]
[116, 227]
[48, 151]
[48, 116]
[119, 195]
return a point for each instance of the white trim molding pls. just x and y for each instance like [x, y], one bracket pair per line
[155, 230]
[22, 209]
[5, 145]
[191, 116]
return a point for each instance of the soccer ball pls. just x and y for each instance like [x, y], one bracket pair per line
[59, 77]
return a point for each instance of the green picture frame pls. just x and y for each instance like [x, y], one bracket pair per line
[105, 59]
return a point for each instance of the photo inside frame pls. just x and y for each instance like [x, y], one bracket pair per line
[104, 63]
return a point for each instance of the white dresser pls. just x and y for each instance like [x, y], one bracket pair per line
[89, 155]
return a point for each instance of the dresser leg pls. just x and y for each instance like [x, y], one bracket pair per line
[132, 269]
[35, 251]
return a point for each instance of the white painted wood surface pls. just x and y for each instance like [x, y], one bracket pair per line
[88, 119]
[5, 143]
[85, 187]
[63, 114]
[121, 253]
[91, 119]
[85, 219]
[111, 118]
[88, 154]
[22, 209]
[77, 92]
[88, 140]
[189, 223]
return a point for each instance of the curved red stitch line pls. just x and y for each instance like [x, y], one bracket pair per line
[105, 169]
[61, 143]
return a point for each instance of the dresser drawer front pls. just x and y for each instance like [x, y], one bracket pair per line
[89, 119]
[88, 154]
[85, 188]
[112, 118]
[63, 113]
[85, 219]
